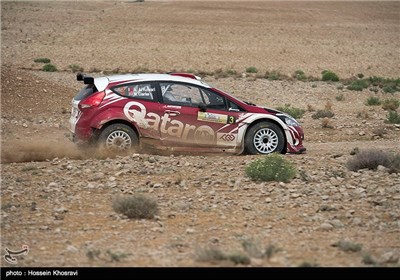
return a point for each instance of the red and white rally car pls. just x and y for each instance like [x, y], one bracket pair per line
[178, 112]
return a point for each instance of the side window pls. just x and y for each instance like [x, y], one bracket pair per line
[180, 94]
[141, 91]
[213, 100]
[234, 107]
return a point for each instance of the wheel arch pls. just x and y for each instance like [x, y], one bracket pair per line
[117, 121]
[260, 120]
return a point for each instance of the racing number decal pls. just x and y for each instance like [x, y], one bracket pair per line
[231, 119]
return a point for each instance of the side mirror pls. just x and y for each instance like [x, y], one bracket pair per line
[202, 107]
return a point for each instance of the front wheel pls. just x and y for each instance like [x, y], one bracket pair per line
[264, 138]
[118, 137]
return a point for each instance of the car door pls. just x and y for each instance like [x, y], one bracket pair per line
[193, 116]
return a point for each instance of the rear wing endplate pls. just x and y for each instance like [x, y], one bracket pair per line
[86, 80]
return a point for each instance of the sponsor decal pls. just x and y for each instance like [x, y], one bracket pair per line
[227, 137]
[136, 112]
[216, 118]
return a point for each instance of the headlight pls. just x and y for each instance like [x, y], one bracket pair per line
[291, 122]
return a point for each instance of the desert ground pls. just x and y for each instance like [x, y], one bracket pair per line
[58, 200]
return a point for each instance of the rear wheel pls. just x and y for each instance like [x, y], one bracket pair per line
[118, 137]
[264, 138]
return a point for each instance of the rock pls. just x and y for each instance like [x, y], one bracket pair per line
[91, 185]
[389, 257]
[112, 179]
[190, 231]
[97, 176]
[71, 249]
[268, 200]
[357, 222]
[361, 133]
[53, 185]
[60, 210]
[246, 207]
[325, 227]
[214, 240]
[381, 168]
[336, 223]
[157, 229]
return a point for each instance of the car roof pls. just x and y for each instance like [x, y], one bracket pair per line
[102, 82]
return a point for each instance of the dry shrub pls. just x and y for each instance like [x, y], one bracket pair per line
[369, 159]
[390, 104]
[322, 114]
[326, 123]
[379, 131]
[310, 108]
[395, 164]
[328, 106]
[215, 255]
[136, 207]
[347, 246]
[363, 115]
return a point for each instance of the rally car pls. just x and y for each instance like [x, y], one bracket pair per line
[177, 112]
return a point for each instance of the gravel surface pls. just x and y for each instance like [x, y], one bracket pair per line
[58, 200]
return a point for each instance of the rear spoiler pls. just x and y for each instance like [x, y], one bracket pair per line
[186, 75]
[86, 80]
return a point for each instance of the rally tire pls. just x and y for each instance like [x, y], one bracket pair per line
[264, 138]
[118, 137]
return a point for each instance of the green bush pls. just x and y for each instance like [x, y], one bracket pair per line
[272, 167]
[387, 84]
[49, 68]
[231, 72]
[274, 76]
[358, 85]
[329, 76]
[136, 207]
[42, 60]
[299, 75]
[393, 117]
[296, 113]
[251, 69]
[373, 101]
[390, 89]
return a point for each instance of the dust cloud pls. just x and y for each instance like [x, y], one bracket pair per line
[49, 149]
